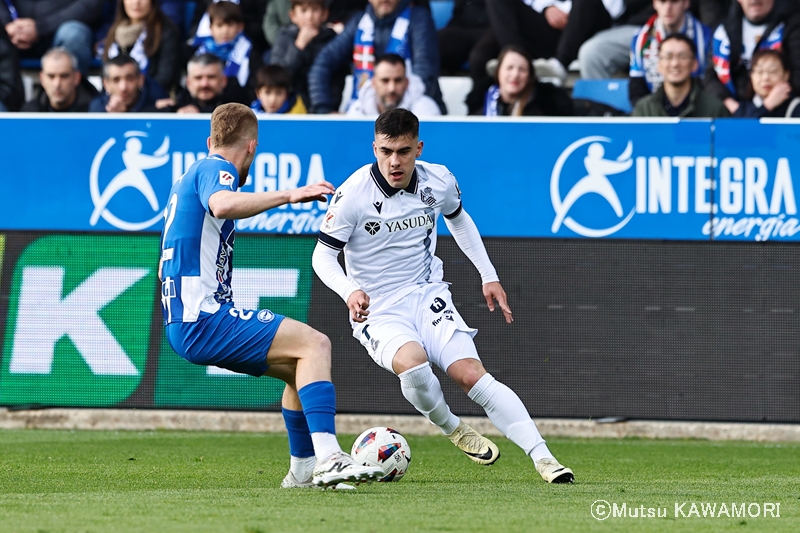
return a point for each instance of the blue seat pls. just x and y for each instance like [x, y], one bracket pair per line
[442, 11]
[30, 64]
[612, 92]
[36, 64]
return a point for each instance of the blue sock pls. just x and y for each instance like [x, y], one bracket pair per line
[300, 444]
[319, 406]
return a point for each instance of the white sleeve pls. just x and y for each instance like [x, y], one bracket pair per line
[425, 106]
[465, 232]
[539, 5]
[325, 262]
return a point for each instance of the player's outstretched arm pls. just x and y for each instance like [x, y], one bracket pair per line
[325, 262]
[236, 205]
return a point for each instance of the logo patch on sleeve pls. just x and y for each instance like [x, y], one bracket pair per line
[225, 178]
[327, 224]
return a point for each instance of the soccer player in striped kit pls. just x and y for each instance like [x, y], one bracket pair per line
[204, 327]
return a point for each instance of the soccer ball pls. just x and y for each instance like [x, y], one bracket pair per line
[385, 448]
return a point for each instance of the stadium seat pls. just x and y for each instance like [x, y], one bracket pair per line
[612, 92]
[442, 11]
[454, 93]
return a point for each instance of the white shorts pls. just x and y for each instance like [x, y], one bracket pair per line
[426, 316]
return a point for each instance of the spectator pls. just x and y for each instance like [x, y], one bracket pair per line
[34, 26]
[340, 11]
[607, 54]
[587, 19]
[386, 26]
[174, 10]
[275, 94]
[711, 12]
[142, 31]
[772, 94]
[671, 17]
[228, 42]
[751, 25]
[125, 88]
[299, 43]
[206, 88]
[275, 19]
[517, 91]
[252, 13]
[467, 27]
[12, 93]
[553, 29]
[391, 88]
[680, 95]
[63, 88]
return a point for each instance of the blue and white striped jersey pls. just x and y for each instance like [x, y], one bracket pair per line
[196, 247]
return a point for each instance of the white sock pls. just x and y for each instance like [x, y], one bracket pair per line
[325, 445]
[302, 467]
[420, 387]
[509, 415]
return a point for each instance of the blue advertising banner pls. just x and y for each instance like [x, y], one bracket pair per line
[756, 192]
[622, 178]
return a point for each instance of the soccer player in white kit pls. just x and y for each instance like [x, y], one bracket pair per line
[384, 218]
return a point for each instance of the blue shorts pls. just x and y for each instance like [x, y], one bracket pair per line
[231, 338]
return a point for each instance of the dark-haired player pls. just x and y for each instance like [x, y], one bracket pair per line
[400, 308]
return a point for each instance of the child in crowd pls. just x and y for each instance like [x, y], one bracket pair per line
[228, 42]
[273, 89]
[298, 44]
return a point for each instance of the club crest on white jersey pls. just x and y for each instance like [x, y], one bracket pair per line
[389, 235]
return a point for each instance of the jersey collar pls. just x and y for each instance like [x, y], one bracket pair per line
[387, 190]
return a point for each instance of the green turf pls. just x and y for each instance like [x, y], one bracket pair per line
[92, 481]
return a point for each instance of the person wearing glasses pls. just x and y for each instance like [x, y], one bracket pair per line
[672, 16]
[770, 90]
[679, 95]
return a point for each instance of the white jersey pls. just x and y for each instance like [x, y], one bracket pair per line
[389, 235]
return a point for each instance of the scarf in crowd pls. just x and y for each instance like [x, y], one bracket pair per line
[235, 53]
[644, 63]
[517, 108]
[136, 51]
[722, 52]
[204, 26]
[291, 101]
[12, 10]
[364, 47]
[490, 102]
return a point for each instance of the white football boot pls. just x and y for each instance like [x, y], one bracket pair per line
[291, 482]
[340, 467]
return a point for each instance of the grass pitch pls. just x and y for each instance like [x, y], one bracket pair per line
[93, 481]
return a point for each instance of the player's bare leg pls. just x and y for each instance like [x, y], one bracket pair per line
[503, 407]
[423, 390]
[309, 352]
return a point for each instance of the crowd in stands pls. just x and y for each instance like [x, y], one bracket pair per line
[681, 58]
